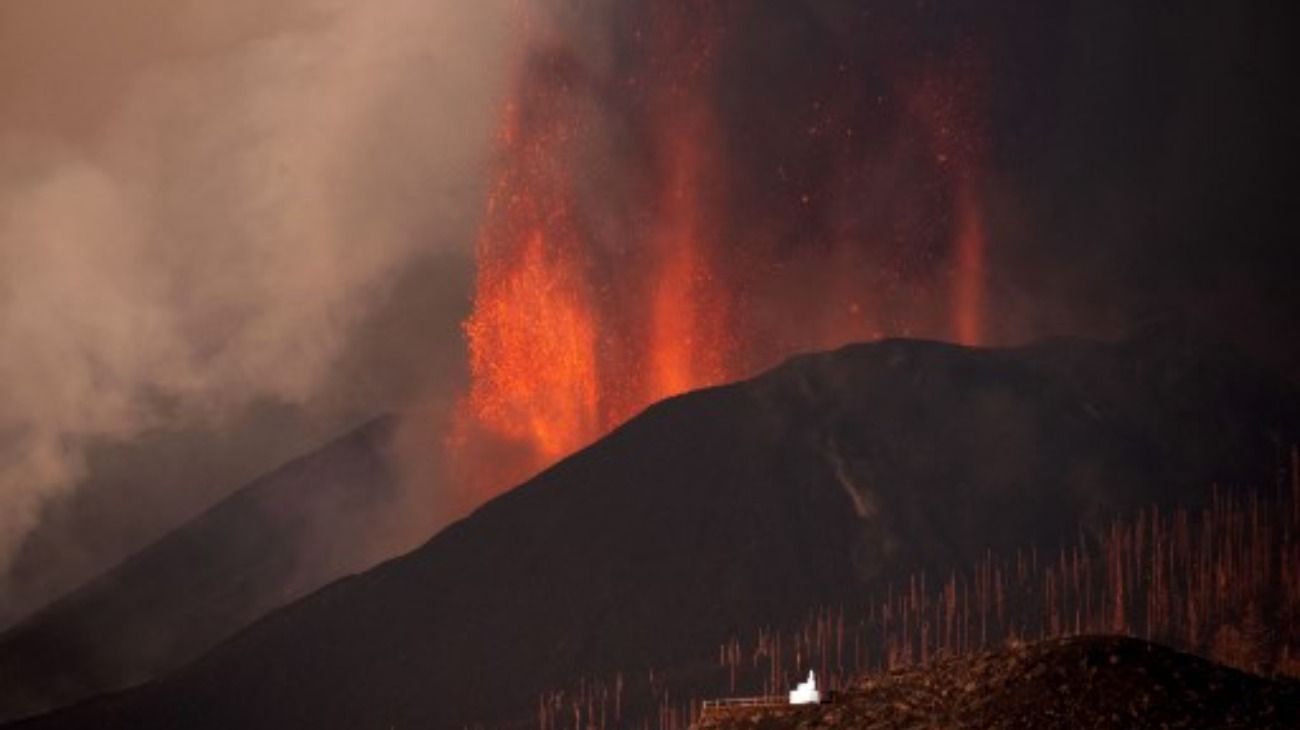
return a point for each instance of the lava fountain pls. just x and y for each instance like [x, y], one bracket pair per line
[629, 252]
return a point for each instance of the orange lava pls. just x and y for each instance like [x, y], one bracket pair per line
[946, 102]
[589, 307]
[968, 294]
[561, 350]
[532, 335]
[533, 352]
[688, 342]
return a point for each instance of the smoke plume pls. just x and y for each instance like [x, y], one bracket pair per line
[200, 203]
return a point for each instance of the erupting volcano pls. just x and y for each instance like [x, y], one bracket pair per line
[642, 237]
[620, 363]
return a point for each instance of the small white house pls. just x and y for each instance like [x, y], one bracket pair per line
[806, 693]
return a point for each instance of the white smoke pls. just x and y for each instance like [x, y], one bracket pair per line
[200, 201]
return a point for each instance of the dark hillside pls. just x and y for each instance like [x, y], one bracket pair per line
[258, 549]
[1088, 682]
[733, 507]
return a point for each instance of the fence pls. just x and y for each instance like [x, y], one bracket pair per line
[767, 701]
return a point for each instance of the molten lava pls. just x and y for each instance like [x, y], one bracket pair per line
[689, 344]
[619, 263]
[945, 101]
[532, 336]
[540, 383]
[968, 294]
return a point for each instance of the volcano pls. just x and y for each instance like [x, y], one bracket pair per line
[735, 506]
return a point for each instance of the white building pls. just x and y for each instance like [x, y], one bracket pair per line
[806, 693]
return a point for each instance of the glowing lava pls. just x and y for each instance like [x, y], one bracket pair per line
[616, 267]
[565, 343]
[689, 344]
[946, 102]
[968, 294]
[532, 336]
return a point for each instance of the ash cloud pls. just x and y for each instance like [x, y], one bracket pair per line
[206, 211]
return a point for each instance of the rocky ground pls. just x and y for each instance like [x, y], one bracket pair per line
[1089, 682]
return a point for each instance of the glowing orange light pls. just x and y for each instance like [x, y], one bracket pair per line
[577, 325]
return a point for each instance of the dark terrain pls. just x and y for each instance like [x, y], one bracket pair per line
[275, 540]
[738, 506]
[1088, 682]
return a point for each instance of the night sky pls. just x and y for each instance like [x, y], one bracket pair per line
[1136, 158]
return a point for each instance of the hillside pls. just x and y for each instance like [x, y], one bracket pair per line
[1087, 682]
[735, 506]
[270, 542]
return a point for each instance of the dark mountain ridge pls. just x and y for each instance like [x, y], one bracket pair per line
[736, 506]
[276, 539]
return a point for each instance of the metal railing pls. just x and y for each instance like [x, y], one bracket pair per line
[768, 701]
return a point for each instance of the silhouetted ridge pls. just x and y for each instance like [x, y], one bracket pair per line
[261, 547]
[733, 507]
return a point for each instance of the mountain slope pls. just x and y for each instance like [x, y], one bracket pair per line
[272, 541]
[734, 506]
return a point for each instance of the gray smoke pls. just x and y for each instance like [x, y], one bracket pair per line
[203, 206]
